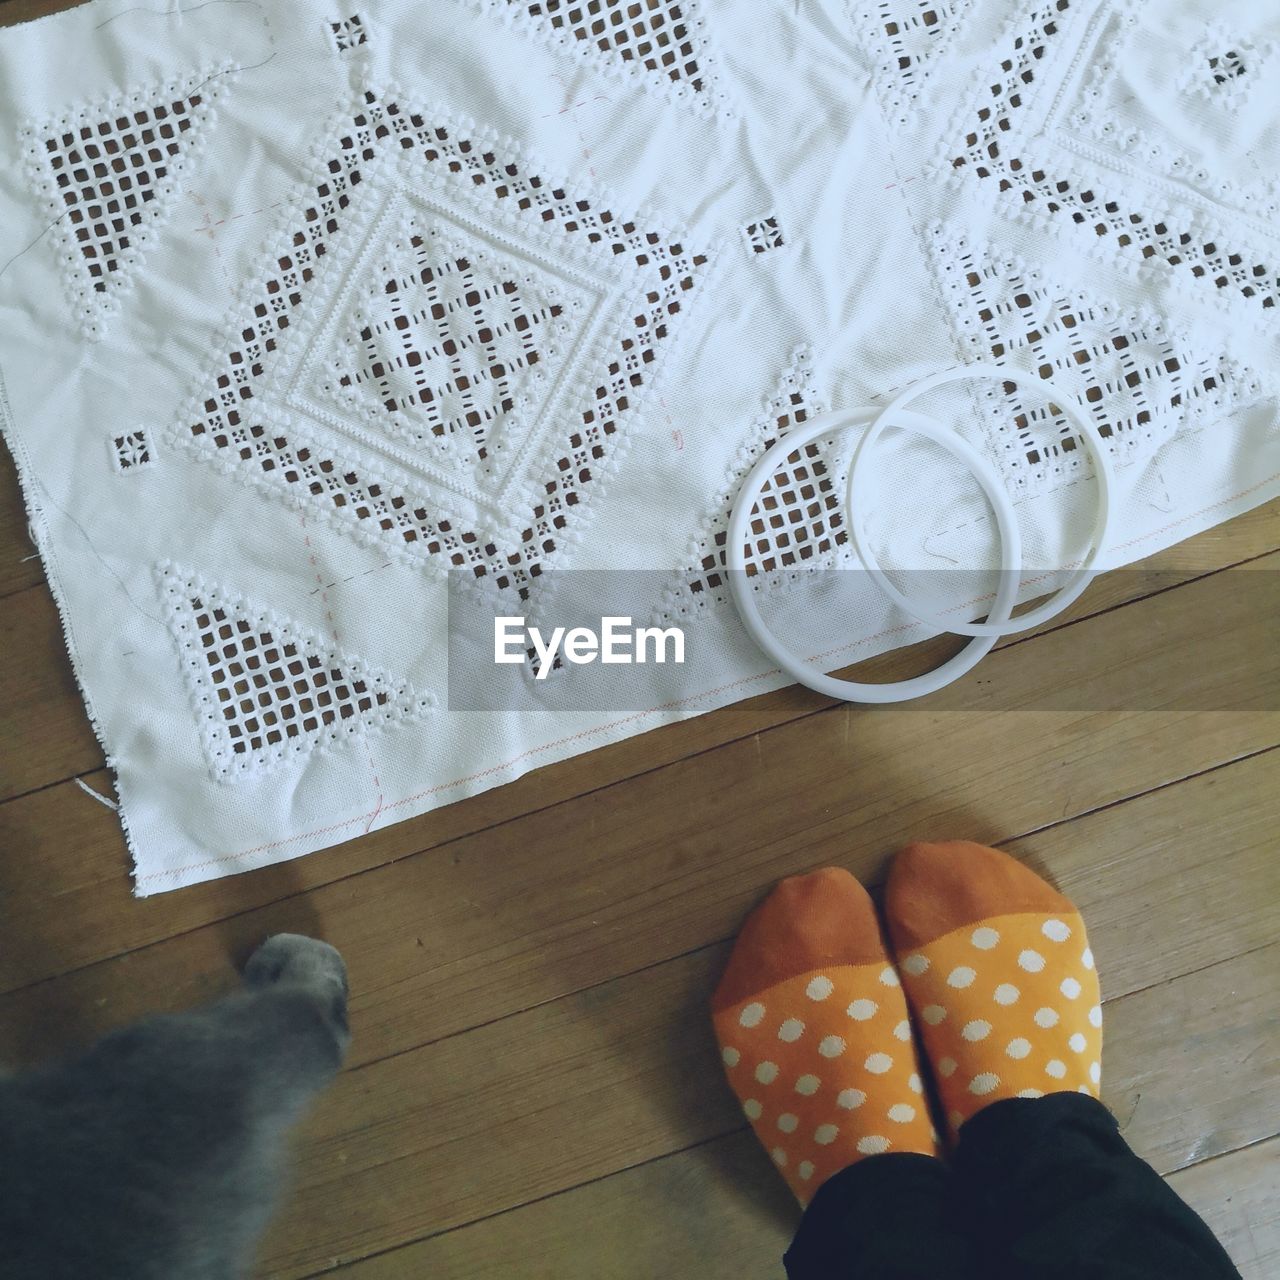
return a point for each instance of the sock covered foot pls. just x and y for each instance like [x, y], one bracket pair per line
[998, 970]
[814, 1033]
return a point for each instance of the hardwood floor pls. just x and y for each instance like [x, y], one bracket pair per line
[533, 1090]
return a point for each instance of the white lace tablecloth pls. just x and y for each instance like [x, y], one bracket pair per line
[304, 305]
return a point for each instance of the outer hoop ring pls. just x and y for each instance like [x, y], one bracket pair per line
[1080, 578]
[792, 663]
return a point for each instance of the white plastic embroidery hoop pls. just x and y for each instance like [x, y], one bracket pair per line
[1080, 578]
[795, 665]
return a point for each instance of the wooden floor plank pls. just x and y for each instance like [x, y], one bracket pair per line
[20, 567]
[1168, 849]
[717, 1212]
[15, 11]
[1171, 882]
[44, 731]
[663, 862]
[39, 701]
[628, 1072]
[720, 1212]
[1238, 1195]
[1175, 879]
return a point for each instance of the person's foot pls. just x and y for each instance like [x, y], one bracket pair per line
[999, 974]
[814, 1033]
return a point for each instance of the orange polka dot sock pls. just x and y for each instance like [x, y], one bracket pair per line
[814, 1033]
[998, 970]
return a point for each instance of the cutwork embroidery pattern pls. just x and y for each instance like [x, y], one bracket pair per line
[265, 688]
[764, 234]
[240, 424]
[131, 451]
[1139, 382]
[109, 171]
[1181, 241]
[798, 519]
[661, 42]
[904, 37]
[444, 341]
[1226, 69]
[348, 34]
[1214, 88]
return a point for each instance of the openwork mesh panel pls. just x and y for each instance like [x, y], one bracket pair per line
[905, 37]
[444, 341]
[798, 519]
[266, 688]
[472, 316]
[109, 172]
[1137, 381]
[654, 34]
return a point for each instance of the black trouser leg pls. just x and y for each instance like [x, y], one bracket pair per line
[1052, 1191]
[890, 1217]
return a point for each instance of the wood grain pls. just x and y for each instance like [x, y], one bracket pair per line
[1238, 1195]
[14, 11]
[480, 1122]
[44, 730]
[1203, 849]
[720, 1212]
[627, 1072]
[509, 930]
[20, 566]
